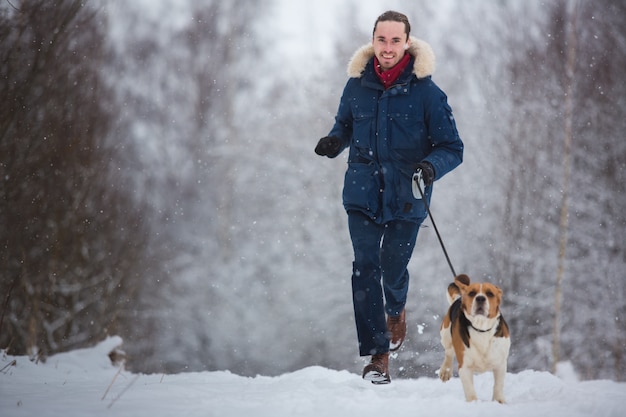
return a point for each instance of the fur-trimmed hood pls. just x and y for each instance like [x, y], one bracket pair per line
[423, 67]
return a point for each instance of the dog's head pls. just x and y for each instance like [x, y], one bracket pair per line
[480, 301]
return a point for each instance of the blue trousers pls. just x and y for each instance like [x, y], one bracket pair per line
[380, 280]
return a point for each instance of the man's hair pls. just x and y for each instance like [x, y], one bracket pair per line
[393, 16]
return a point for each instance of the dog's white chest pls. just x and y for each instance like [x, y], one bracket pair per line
[486, 352]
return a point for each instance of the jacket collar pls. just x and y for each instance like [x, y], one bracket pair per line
[423, 66]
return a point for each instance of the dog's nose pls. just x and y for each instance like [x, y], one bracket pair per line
[481, 299]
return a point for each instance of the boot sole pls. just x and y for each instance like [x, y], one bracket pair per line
[377, 378]
[393, 347]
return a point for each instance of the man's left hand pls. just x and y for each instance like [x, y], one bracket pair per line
[428, 173]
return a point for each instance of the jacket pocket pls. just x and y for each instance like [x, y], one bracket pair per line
[408, 138]
[363, 129]
[361, 189]
[406, 206]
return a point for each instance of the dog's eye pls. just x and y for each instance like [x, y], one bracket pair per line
[472, 294]
[490, 294]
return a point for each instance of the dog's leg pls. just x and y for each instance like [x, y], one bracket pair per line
[445, 372]
[498, 384]
[467, 379]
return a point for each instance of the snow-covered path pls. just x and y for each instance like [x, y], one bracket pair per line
[84, 383]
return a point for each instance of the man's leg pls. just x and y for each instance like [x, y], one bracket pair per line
[367, 293]
[397, 247]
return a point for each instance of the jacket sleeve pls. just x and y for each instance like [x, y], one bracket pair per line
[343, 120]
[447, 147]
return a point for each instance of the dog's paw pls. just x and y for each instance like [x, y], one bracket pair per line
[499, 398]
[445, 374]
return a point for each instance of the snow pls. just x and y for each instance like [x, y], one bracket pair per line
[85, 383]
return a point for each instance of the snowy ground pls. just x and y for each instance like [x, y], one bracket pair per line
[84, 383]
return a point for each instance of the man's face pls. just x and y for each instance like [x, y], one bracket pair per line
[389, 42]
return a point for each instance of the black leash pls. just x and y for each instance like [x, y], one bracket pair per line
[418, 181]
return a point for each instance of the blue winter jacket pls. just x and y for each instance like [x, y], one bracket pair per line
[390, 131]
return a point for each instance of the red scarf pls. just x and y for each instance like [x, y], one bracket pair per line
[390, 76]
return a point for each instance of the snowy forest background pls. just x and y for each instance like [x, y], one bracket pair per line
[158, 180]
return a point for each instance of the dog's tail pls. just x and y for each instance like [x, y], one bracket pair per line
[454, 293]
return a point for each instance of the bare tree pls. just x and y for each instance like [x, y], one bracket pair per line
[70, 238]
[182, 90]
[564, 186]
[569, 80]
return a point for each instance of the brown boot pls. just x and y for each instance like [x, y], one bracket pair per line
[377, 370]
[396, 326]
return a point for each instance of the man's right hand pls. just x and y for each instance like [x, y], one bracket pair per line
[329, 146]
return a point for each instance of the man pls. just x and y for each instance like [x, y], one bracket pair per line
[395, 122]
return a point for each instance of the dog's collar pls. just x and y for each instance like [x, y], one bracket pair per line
[496, 324]
[479, 330]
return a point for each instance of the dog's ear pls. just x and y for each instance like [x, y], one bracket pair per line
[453, 293]
[462, 281]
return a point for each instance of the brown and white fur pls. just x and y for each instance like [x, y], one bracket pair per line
[476, 332]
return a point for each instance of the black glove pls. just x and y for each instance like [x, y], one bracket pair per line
[428, 173]
[329, 146]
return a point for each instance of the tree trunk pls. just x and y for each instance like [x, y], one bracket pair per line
[567, 163]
